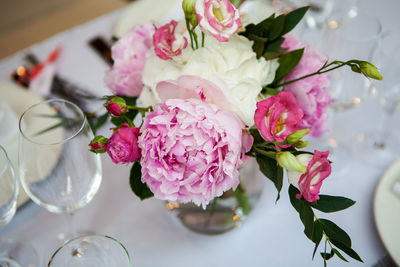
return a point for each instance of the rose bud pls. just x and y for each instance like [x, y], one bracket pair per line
[288, 161]
[190, 14]
[98, 144]
[369, 70]
[123, 144]
[310, 182]
[116, 106]
[296, 136]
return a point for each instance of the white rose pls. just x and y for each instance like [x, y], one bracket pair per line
[232, 66]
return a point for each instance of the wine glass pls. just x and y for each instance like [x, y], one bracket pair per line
[8, 262]
[378, 146]
[10, 249]
[91, 250]
[57, 170]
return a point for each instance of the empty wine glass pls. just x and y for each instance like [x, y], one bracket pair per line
[342, 40]
[10, 249]
[378, 146]
[8, 262]
[91, 251]
[57, 170]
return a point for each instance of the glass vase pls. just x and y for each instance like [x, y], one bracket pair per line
[226, 212]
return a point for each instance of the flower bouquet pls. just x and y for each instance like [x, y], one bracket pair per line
[214, 93]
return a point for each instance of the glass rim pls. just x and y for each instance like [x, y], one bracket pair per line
[84, 120]
[89, 235]
[344, 14]
[8, 162]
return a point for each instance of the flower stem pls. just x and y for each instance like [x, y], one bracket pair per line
[318, 72]
[203, 37]
[190, 33]
[130, 123]
[141, 109]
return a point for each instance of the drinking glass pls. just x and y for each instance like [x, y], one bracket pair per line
[379, 146]
[91, 251]
[57, 170]
[8, 262]
[10, 249]
[343, 40]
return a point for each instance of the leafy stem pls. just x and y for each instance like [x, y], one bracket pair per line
[322, 70]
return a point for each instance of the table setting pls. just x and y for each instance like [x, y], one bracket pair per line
[205, 133]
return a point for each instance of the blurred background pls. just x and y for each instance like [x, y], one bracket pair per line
[25, 22]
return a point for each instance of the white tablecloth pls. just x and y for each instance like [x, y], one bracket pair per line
[272, 235]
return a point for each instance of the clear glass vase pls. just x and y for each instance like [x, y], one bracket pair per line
[226, 212]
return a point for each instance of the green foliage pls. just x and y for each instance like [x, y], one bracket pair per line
[267, 35]
[270, 168]
[287, 62]
[332, 203]
[316, 228]
[140, 189]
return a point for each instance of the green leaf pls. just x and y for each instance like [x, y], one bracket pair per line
[346, 249]
[98, 122]
[327, 256]
[287, 62]
[317, 235]
[293, 18]
[275, 46]
[272, 55]
[334, 250]
[140, 189]
[258, 48]
[271, 91]
[270, 168]
[334, 232]
[332, 203]
[276, 27]
[296, 203]
[307, 217]
[256, 38]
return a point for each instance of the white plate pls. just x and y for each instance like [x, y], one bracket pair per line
[146, 11]
[387, 210]
[19, 100]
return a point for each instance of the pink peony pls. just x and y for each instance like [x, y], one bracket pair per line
[190, 86]
[278, 116]
[129, 55]
[309, 183]
[218, 18]
[311, 93]
[191, 151]
[167, 43]
[122, 147]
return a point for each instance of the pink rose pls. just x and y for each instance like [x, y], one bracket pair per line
[116, 106]
[122, 147]
[168, 43]
[309, 183]
[278, 116]
[129, 55]
[311, 93]
[218, 18]
[191, 151]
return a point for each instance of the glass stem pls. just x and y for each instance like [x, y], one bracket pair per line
[70, 229]
[383, 133]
